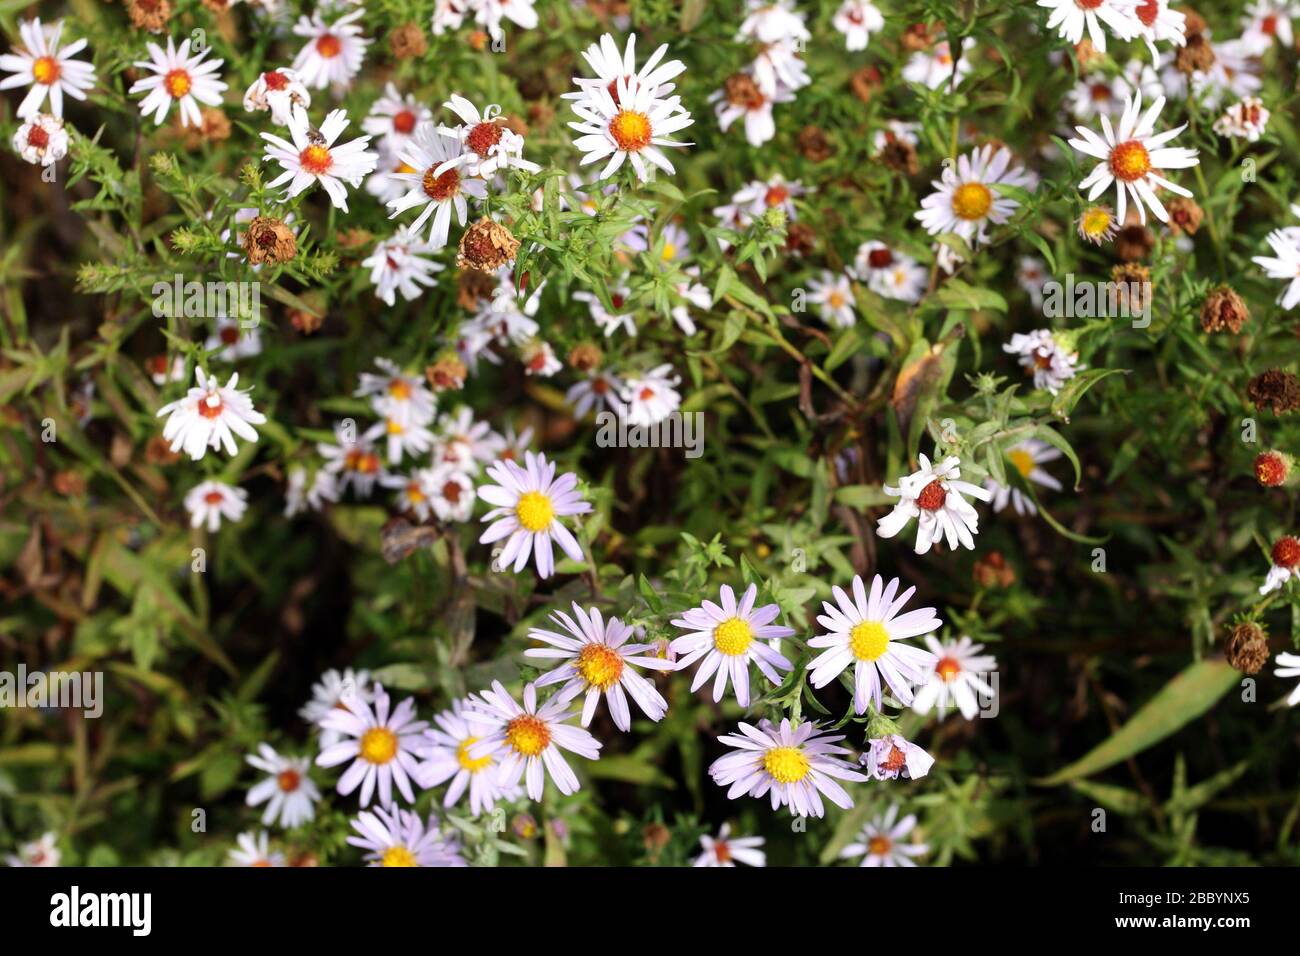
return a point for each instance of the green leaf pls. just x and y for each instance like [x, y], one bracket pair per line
[1179, 702]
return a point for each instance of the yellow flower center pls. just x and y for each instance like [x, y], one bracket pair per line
[535, 511]
[879, 845]
[398, 856]
[1023, 461]
[835, 300]
[786, 764]
[1130, 161]
[733, 636]
[1096, 221]
[631, 130]
[972, 201]
[177, 83]
[669, 253]
[472, 764]
[399, 388]
[45, 70]
[868, 640]
[378, 745]
[600, 666]
[395, 427]
[315, 159]
[528, 735]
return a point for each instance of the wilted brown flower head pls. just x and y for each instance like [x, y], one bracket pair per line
[586, 357]
[1246, 647]
[447, 373]
[267, 239]
[992, 571]
[1087, 54]
[899, 155]
[1224, 309]
[151, 15]
[1133, 282]
[741, 90]
[1276, 390]
[800, 239]
[1196, 56]
[917, 37]
[815, 145]
[408, 41]
[1134, 242]
[1272, 468]
[486, 246]
[1184, 215]
[865, 82]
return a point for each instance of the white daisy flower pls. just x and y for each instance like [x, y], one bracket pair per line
[599, 661]
[230, 341]
[888, 273]
[888, 758]
[538, 358]
[745, 100]
[486, 146]
[447, 759]
[254, 850]
[515, 446]
[796, 766]
[527, 740]
[1031, 276]
[161, 372]
[1288, 666]
[402, 437]
[934, 496]
[382, 183]
[631, 124]
[1284, 264]
[833, 293]
[1266, 21]
[726, 850]
[769, 21]
[400, 264]
[954, 675]
[895, 131]
[779, 66]
[725, 639]
[597, 392]
[608, 321]
[209, 502]
[352, 460]
[1244, 120]
[1235, 72]
[397, 394]
[209, 416]
[610, 66]
[393, 118]
[440, 193]
[334, 51]
[504, 317]
[933, 68]
[690, 293]
[1157, 21]
[1026, 456]
[45, 851]
[335, 691]
[1130, 158]
[758, 197]
[1286, 564]
[397, 837]
[40, 63]
[867, 631]
[1039, 354]
[490, 13]
[881, 842]
[380, 744]
[965, 202]
[1071, 17]
[179, 77]
[527, 505]
[42, 139]
[288, 792]
[448, 15]
[277, 91]
[299, 495]
[1101, 93]
[451, 493]
[651, 397]
[414, 492]
[313, 158]
[465, 443]
[857, 20]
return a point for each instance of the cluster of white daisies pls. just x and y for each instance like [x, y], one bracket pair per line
[491, 747]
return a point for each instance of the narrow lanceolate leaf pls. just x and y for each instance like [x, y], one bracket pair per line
[1179, 702]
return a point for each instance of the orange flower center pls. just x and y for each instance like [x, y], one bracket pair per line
[1148, 11]
[177, 83]
[880, 258]
[210, 406]
[932, 496]
[1130, 161]
[289, 780]
[631, 130]
[776, 195]
[483, 137]
[404, 121]
[329, 46]
[441, 188]
[972, 201]
[275, 80]
[316, 159]
[1286, 553]
[37, 137]
[879, 845]
[45, 70]
[214, 497]
[948, 668]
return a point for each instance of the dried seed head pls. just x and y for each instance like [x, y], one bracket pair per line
[268, 239]
[1134, 242]
[900, 155]
[1087, 54]
[486, 246]
[1276, 390]
[447, 373]
[1246, 648]
[865, 82]
[1197, 56]
[917, 37]
[800, 239]
[1133, 281]
[1272, 468]
[408, 42]
[992, 571]
[739, 89]
[1184, 216]
[1224, 309]
[151, 15]
[586, 357]
[815, 145]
